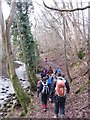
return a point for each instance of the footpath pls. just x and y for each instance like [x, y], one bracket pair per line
[76, 102]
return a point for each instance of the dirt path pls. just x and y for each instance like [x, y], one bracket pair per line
[76, 104]
[38, 112]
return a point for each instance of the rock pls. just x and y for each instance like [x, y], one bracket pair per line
[3, 77]
[8, 100]
[3, 91]
[8, 105]
[1, 109]
[23, 80]
[6, 89]
[11, 102]
[14, 98]
[7, 86]
[5, 104]
[32, 94]
[28, 88]
[1, 98]
[13, 94]
[1, 114]
[3, 88]
[9, 96]
[4, 109]
[9, 109]
[4, 114]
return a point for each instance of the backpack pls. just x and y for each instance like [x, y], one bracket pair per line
[43, 73]
[50, 80]
[45, 89]
[38, 84]
[60, 88]
[50, 71]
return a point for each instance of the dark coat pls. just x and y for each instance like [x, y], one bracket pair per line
[44, 97]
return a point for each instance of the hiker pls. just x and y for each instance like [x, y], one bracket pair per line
[50, 83]
[54, 77]
[43, 72]
[38, 87]
[45, 59]
[50, 70]
[60, 88]
[57, 71]
[44, 90]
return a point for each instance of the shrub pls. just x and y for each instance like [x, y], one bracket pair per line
[81, 54]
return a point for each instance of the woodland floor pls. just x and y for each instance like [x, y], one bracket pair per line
[76, 106]
[77, 99]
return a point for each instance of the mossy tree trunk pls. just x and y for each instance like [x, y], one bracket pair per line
[22, 96]
[27, 42]
[28, 71]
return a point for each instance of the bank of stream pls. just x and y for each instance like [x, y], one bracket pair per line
[8, 98]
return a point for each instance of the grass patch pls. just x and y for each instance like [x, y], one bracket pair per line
[76, 64]
[81, 89]
[81, 54]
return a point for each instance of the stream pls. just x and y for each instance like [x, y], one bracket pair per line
[7, 94]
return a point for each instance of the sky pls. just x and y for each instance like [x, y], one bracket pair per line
[6, 8]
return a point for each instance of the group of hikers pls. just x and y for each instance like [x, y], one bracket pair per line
[54, 87]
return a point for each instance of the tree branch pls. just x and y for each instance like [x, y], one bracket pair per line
[65, 10]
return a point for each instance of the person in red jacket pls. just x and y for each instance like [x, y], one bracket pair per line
[38, 87]
[50, 70]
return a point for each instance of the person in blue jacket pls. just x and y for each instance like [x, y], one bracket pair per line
[58, 70]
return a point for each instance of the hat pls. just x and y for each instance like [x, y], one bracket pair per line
[44, 78]
[59, 74]
[63, 75]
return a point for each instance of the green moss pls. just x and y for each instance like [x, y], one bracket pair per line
[82, 88]
[80, 54]
[23, 114]
[22, 96]
[34, 77]
[76, 65]
[32, 85]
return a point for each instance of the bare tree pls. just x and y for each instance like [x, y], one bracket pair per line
[5, 27]
[89, 46]
[65, 10]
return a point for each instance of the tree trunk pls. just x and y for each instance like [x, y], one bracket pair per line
[88, 45]
[65, 51]
[22, 96]
[29, 74]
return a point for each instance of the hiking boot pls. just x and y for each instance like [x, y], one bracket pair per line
[62, 116]
[37, 95]
[45, 110]
[56, 116]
